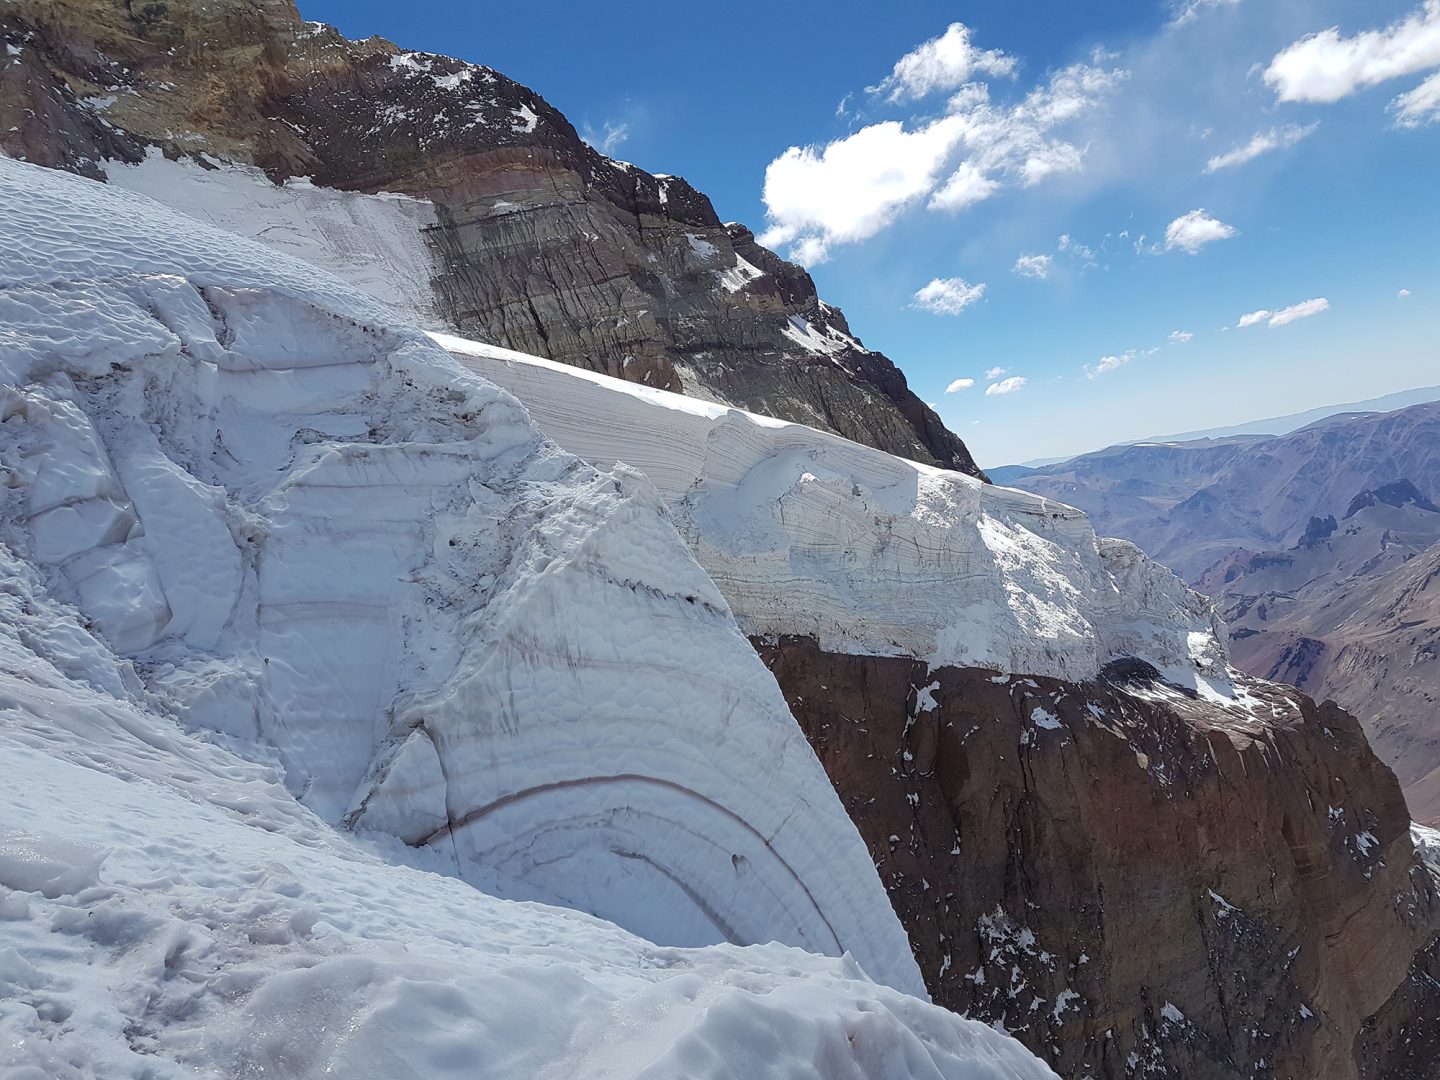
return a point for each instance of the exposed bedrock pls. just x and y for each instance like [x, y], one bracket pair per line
[541, 243]
[1130, 880]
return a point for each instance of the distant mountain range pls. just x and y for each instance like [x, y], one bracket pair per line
[1274, 425]
[1321, 548]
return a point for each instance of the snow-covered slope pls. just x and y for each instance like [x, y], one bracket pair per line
[374, 242]
[314, 534]
[808, 533]
[168, 911]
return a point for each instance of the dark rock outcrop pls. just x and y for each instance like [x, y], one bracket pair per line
[1131, 880]
[542, 243]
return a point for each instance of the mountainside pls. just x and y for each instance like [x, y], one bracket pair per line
[530, 237]
[1189, 504]
[1352, 613]
[308, 620]
[1097, 834]
[296, 610]
[284, 586]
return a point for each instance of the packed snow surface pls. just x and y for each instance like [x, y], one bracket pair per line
[807, 533]
[168, 910]
[273, 565]
[375, 242]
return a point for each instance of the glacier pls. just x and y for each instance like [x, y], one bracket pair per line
[317, 658]
[807, 533]
[168, 910]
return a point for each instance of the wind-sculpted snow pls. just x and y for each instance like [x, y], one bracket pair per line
[807, 533]
[318, 536]
[375, 242]
[168, 911]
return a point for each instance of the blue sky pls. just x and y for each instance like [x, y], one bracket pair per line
[1162, 169]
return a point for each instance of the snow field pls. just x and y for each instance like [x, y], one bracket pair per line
[807, 533]
[313, 534]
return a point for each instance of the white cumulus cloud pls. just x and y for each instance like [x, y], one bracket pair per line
[1034, 266]
[1005, 386]
[1190, 232]
[854, 187]
[967, 186]
[994, 373]
[1302, 310]
[942, 63]
[1326, 66]
[1403, 293]
[948, 296]
[818, 197]
[1275, 139]
[958, 385]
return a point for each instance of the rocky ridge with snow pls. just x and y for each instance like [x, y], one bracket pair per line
[1025, 737]
[1100, 836]
[276, 566]
[531, 238]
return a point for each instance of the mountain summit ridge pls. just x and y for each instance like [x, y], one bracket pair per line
[538, 242]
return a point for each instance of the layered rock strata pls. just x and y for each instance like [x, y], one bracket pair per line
[539, 242]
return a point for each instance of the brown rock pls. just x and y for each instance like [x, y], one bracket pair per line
[1131, 881]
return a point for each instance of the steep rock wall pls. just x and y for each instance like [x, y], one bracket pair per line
[1132, 881]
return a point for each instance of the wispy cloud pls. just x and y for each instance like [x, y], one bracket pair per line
[1275, 139]
[1081, 253]
[942, 63]
[958, 385]
[994, 372]
[1036, 267]
[1005, 386]
[1180, 337]
[1403, 293]
[611, 136]
[1285, 315]
[1325, 67]
[1108, 364]
[1187, 11]
[1419, 106]
[948, 296]
[1190, 232]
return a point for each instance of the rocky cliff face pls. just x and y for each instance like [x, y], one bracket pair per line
[1132, 881]
[540, 243]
